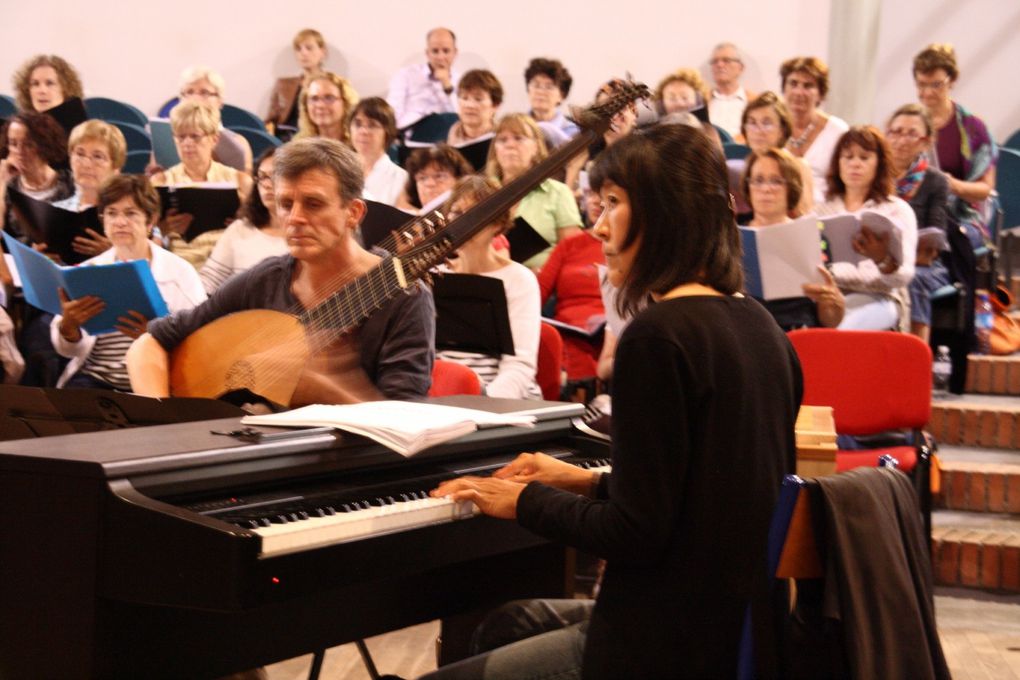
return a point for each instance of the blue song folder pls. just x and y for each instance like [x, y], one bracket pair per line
[123, 286]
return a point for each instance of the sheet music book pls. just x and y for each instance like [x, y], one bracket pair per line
[471, 314]
[476, 151]
[56, 227]
[779, 259]
[404, 427]
[379, 221]
[163, 147]
[525, 242]
[68, 113]
[123, 286]
[839, 232]
[592, 333]
[212, 205]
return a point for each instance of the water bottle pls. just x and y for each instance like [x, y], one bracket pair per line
[984, 318]
[941, 369]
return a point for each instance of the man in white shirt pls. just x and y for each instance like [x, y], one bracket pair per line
[420, 89]
[728, 96]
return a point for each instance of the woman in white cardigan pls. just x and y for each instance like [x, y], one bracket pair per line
[128, 206]
[860, 181]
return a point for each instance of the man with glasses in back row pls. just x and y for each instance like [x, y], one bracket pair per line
[728, 96]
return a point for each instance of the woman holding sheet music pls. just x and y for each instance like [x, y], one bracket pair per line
[772, 181]
[128, 206]
[700, 370]
[860, 179]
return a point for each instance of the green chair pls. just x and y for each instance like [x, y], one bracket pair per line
[7, 106]
[1013, 142]
[735, 152]
[234, 117]
[258, 139]
[136, 137]
[136, 162]
[726, 137]
[113, 111]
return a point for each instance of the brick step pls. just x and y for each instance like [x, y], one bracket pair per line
[979, 486]
[976, 420]
[987, 374]
[976, 550]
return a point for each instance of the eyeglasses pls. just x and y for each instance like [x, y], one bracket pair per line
[770, 182]
[323, 99]
[97, 157]
[534, 84]
[714, 61]
[899, 133]
[423, 177]
[130, 214]
[204, 94]
[264, 180]
[193, 138]
[366, 124]
[762, 125]
[931, 86]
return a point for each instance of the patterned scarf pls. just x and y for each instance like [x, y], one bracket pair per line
[906, 186]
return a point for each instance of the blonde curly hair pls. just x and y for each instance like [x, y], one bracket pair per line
[306, 128]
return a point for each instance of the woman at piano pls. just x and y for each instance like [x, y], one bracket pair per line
[700, 369]
[511, 376]
[128, 207]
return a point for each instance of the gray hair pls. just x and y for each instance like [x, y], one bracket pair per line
[193, 74]
[723, 45]
[319, 153]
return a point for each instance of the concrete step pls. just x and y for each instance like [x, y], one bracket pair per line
[984, 420]
[976, 550]
[988, 374]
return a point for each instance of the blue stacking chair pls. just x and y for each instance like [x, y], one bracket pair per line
[1013, 142]
[113, 111]
[257, 138]
[136, 162]
[735, 152]
[1007, 185]
[168, 105]
[235, 117]
[7, 106]
[433, 128]
[136, 137]
[726, 137]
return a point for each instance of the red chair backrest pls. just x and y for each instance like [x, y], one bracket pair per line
[874, 380]
[449, 378]
[550, 362]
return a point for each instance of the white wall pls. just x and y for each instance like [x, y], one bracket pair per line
[135, 51]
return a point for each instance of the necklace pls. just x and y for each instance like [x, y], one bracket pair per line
[802, 138]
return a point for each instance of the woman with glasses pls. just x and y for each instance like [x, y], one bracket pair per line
[860, 180]
[550, 207]
[202, 85]
[196, 130]
[772, 183]
[431, 173]
[927, 191]
[128, 207]
[964, 150]
[813, 133]
[258, 234]
[548, 82]
[766, 124]
[325, 100]
[373, 128]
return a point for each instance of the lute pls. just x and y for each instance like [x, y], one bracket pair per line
[279, 356]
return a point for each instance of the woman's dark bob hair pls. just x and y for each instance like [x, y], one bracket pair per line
[680, 208]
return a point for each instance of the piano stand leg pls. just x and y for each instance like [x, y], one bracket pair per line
[366, 657]
[317, 659]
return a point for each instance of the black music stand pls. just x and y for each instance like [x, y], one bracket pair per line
[380, 221]
[471, 314]
[27, 412]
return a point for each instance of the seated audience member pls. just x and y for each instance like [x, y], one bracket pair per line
[98, 151]
[317, 189]
[813, 133]
[548, 82]
[684, 362]
[372, 131]
[964, 150]
[680, 92]
[129, 206]
[431, 173]
[258, 234]
[621, 125]
[310, 52]
[202, 85]
[728, 98]
[860, 179]
[772, 182]
[196, 129]
[325, 102]
[510, 376]
[550, 207]
[45, 81]
[33, 149]
[418, 90]
[479, 94]
[926, 190]
[765, 124]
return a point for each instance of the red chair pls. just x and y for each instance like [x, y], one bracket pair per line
[875, 381]
[449, 378]
[549, 374]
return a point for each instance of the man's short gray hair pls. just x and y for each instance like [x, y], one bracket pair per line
[732, 46]
[318, 153]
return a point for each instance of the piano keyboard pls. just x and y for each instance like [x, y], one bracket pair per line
[299, 522]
